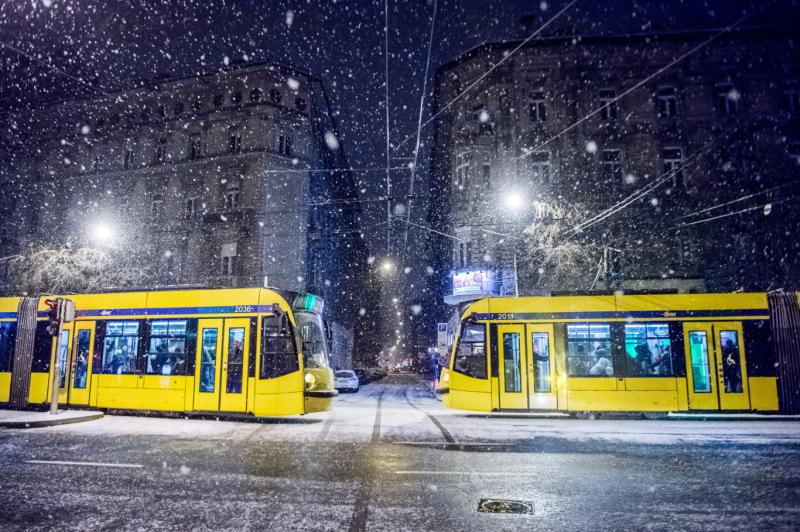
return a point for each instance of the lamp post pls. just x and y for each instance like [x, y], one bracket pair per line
[515, 201]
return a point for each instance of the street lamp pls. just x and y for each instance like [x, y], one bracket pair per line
[102, 233]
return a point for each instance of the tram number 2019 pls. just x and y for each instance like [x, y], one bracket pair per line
[505, 316]
[243, 308]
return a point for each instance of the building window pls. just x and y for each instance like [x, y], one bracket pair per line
[161, 150]
[727, 99]
[236, 96]
[145, 116]
[195, 147]
[156, 205]
[97, 162]
[218, 100]
[162, 111]
[538, 107]
[611, 163]
[300, 103]
[285, 145]
[232, 198]
[648, 350]
[228, 258]
[197, 103]
[191, 207]
[608, 101]
[128, 160]
[667, 101]
[589, 350]
[673, 165]
[539, 164]
[275, 96]
[178, 108]
[486, 172]
[255, 95]
[235, 142]
[463, 161]
[791, 101]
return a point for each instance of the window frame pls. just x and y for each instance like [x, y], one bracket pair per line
[674, 165]
[610, 356]
[189, 336]
[609, 105]
[537, 108]
[138, 337]
[629, 368]
[480, 375]
[667, 101]
[268, 371]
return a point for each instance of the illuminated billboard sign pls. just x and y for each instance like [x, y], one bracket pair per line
[474, 282]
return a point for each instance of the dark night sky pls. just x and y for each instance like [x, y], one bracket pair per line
[113, 44]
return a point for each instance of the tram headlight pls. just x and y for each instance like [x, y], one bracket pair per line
[311, 380]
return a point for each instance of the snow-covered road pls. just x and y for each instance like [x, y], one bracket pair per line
[390, 458]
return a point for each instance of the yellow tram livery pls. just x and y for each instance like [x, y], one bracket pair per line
[657, 353]
[250, 351]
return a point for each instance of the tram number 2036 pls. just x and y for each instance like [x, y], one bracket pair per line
[243, 308]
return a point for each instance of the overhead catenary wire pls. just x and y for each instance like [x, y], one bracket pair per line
[741, 211]
[737, 200]
[55, 68]
[485, 74]
[642, 82]
[388, 146]
[419, 131]
[666, 176]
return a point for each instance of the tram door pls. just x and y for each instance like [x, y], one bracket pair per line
[513, 366]
[541, 367]
[208, 365]
[233, 379]
[81, 365]
[64, 360]
[715, 366]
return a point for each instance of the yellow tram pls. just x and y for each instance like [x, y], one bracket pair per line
[249, 350]
[619, 352]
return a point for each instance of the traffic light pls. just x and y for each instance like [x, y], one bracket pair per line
[52, 316]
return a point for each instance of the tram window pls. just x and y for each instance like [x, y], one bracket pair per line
[8, 335]
[120, 347]
[541, 357]
[82, 358]
[278, 350]
[471, 353]
[208, 361]
[701, 373]
[512, 363]
[589, 350]
[759, 349]
[42, 349]
[170, 340]
[731, 361]
[648, 350]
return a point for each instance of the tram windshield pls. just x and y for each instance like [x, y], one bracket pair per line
[315, 345]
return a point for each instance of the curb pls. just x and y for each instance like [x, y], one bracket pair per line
[39, 423]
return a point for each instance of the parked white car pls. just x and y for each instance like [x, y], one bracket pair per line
[346, 380]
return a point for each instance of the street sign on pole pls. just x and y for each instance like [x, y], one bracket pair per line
[64, 313]
[441, 338]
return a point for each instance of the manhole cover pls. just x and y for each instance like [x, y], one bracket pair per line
[505, 506]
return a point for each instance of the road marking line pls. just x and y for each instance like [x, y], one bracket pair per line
[92, 464]
[481, 473]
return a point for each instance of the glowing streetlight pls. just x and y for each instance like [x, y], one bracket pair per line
[102, 233]
[387, 266]
[514, 201]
